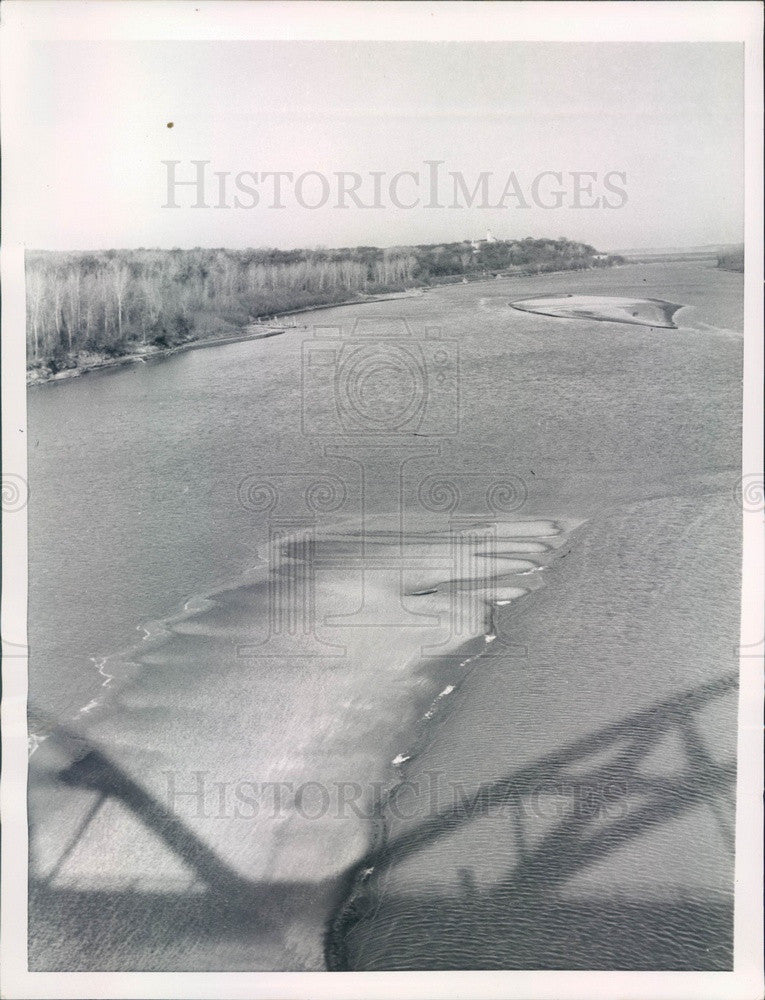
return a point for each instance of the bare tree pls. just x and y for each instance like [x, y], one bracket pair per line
[119, 276]
[35, 281]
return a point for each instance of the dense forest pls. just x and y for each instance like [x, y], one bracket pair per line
[118, 302]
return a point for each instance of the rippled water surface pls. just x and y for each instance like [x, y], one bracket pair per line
[530, 585]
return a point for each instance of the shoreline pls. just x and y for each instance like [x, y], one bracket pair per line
[603, 309]
[151, 353]
[262, 329]
[105, 363]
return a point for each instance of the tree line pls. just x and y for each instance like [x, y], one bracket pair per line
[112, 301]
[731, 260]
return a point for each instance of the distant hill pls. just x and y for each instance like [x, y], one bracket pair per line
[708, 250]
[728, 256]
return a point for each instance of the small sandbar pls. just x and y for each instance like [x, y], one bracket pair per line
[606, 308]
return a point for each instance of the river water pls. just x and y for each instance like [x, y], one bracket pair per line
[471, 542]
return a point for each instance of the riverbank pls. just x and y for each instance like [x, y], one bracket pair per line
[93, 361]
[88, 361]
[267, 326]
[264, 326]
[110, 301]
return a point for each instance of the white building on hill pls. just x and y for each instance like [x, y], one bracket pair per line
[490, 238]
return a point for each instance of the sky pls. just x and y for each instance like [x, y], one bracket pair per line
[665, 119]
